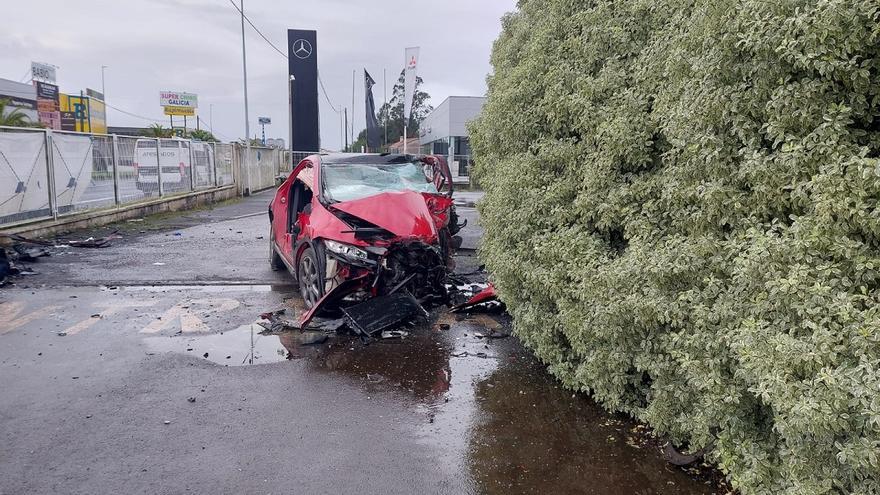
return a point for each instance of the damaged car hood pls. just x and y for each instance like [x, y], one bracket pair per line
[403, 213]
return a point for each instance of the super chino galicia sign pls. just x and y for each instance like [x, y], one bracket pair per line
[178, 103]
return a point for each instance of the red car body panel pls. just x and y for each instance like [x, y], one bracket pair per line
[404, 214]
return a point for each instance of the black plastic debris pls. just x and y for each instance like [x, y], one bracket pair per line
[5, 267]
[383, 312]
[29, 255]
[91, 242]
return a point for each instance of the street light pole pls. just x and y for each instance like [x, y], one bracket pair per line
[290, 81]
[247, 125]
[104, 93]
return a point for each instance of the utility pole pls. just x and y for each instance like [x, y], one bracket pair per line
[387, 109]
[104, 95]
[247, 125]
[352, 107]
[211, 117]
[290, 82]
[346, 129]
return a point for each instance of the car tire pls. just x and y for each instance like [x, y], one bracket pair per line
[274, 258]
[308, 275]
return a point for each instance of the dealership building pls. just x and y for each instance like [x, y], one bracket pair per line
[444, 132]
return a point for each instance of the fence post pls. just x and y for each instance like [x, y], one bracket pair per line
[50, 171]
[115, 151]
[214, 163]
[159, 165]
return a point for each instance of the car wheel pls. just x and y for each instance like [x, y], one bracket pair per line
[311, 283]
[274, 259]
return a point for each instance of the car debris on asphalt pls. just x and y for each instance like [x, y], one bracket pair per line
[91, 242]
[10, 262]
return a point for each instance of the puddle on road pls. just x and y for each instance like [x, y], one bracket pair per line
[487, 406]
[240, 347]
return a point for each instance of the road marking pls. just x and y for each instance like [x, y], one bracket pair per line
[108, 310]
[190, 320]
[9, 310]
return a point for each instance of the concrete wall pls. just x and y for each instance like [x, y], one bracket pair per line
[97, 218]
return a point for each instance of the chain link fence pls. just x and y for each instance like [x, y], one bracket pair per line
[44, 174]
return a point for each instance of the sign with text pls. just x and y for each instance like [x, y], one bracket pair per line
[47, 105]
[178, 99]
[75, 115]
[264, 120]
[43, 72]
[175, 110]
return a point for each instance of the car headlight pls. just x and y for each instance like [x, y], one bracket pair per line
[347, 251]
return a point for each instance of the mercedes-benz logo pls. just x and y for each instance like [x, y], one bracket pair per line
[302, 48]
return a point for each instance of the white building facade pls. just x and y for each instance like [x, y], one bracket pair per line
[444, 132]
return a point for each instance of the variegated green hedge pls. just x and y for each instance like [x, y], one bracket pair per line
[683, 216]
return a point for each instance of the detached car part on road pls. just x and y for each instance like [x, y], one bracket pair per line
[365, 234]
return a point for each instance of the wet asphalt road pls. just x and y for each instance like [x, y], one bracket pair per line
[106, 387]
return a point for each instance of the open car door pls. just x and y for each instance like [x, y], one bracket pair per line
[437, 171]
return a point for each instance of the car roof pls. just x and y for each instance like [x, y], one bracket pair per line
[365, 158]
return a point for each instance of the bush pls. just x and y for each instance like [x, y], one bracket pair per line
[682, 216]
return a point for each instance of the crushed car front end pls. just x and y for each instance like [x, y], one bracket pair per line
[384, 241]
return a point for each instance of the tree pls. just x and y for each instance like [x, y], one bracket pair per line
[13, 116]
[392, 113]
[203, 135]
[157, 131]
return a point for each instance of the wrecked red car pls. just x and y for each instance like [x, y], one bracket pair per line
[356, 227]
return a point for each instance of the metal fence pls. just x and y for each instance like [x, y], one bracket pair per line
[45, 174]
[266, 167]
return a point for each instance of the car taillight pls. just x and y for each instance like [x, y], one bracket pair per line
[181, 168]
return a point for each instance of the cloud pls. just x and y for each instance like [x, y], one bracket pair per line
[195, 45]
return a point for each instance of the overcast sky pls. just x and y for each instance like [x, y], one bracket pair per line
[195, 46]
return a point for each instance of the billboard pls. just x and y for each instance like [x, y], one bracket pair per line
[75, 113]
[48, 107]
[98, 116]
[42, 72]
[178, 99]
[302, 49]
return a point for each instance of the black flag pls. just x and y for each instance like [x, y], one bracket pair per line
[372, 123]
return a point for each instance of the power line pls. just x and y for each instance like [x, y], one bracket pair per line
[321, 81]
[133, 114]
[325, 94]
[257, 30]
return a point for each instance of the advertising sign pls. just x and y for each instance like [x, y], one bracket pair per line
[94, 94]
[97, 116]
[178, 99]
[185, 111]
[75, 115]
[47, 105]
[302, 50]
[43, 72]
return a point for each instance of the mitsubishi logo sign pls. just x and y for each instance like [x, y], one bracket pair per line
[302, 49]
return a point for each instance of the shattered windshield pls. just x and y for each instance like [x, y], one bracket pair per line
[348, 182]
